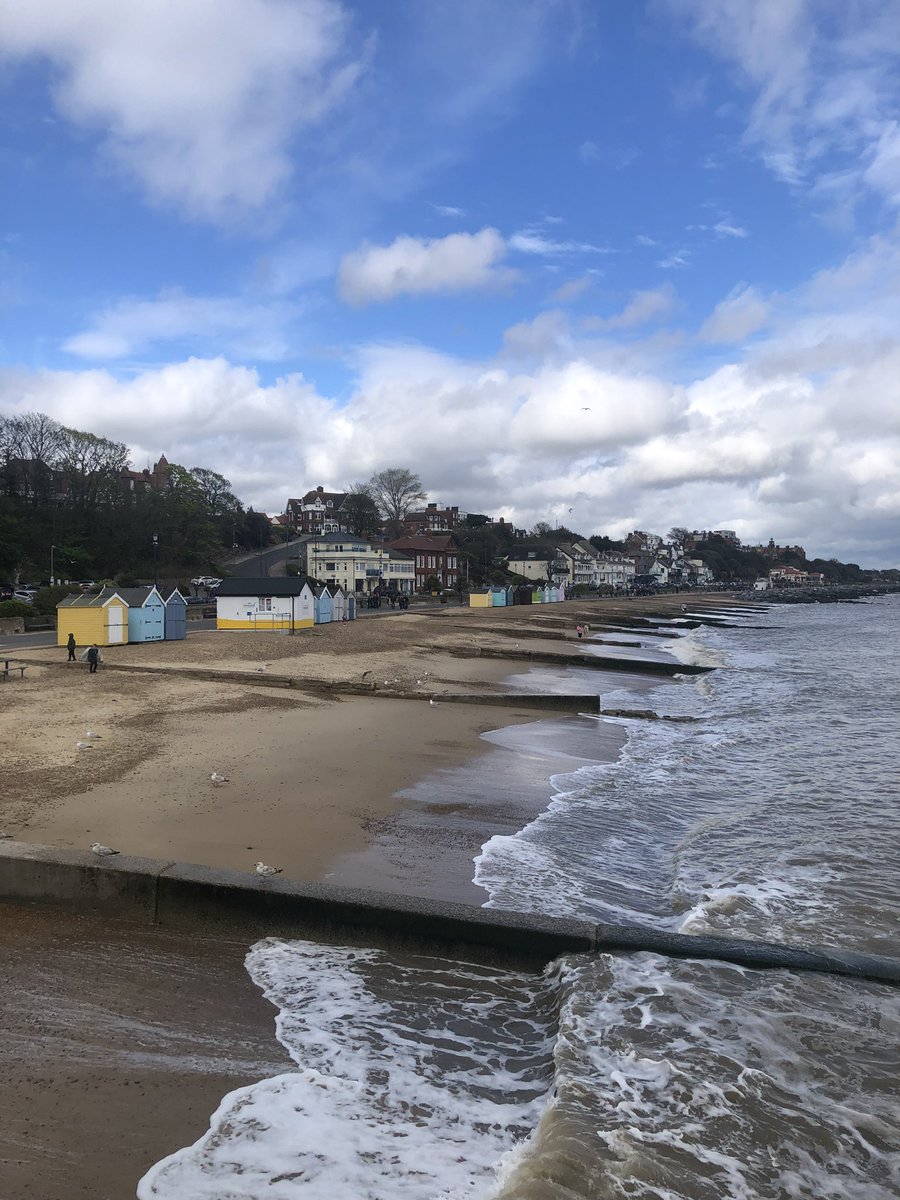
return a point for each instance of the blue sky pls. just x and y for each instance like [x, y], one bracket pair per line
[639, 260]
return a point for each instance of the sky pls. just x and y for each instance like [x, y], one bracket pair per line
[616, 264]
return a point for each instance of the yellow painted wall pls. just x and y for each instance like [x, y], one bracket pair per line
[259, 626]
[89, 625]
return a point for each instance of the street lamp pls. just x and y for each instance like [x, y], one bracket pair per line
[155, 557]
[52, 568]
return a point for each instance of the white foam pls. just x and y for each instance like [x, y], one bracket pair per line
[393, 1096]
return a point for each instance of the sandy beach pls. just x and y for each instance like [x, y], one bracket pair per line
[385, 785]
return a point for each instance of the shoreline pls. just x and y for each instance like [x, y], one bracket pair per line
[131, 1030]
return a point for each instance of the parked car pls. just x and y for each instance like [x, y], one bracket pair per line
[85, 584]
[25, 597]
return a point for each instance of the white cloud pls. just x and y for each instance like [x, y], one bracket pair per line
[449, 210]
[741, 313]
[252, 330]
[794, 435]
[641, 239]
[197, 100]
[412, 266]
[530, 241]
[572, 289]
[642, 307]
[727, 228]
[675, 260]
[826, 87]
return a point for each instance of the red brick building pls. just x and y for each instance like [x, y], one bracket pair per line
[317, 512]
[436, 557]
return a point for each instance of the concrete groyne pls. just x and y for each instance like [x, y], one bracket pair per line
[235, 905]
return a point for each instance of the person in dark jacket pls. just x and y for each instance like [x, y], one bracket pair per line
[71, 647]
[93, 657]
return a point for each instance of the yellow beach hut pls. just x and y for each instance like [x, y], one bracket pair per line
[480, 598]
[99, 618]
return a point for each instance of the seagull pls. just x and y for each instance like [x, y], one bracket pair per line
[264, 667]
[4, 836]
[365, 673]
[431, 702]
[91, 735]
[264, 869]
[586, 409]
[83, 746]
[102, 851]
[218, 779]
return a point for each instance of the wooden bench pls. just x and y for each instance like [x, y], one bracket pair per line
[8, 667]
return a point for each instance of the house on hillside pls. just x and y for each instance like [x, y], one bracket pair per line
[317, 512]
[432, 519]
[265, 604]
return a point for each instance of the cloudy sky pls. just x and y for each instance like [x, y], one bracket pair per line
[620, 263]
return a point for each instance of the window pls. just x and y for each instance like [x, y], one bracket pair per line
[330, 566]
[265, 604]
[328, 504]
[431, 560]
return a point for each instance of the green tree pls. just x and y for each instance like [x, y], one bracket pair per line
[360, 511]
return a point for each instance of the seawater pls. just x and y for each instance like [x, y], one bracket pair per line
[767, 810]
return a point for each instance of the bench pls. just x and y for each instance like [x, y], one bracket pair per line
[8, 667]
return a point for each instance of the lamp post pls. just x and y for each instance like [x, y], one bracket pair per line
[52, 568]
[155, 559]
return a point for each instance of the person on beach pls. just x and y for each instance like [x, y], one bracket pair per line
[70, 644]
[93, 657]
[579, 630]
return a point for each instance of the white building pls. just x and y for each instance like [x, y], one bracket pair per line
[357, 565]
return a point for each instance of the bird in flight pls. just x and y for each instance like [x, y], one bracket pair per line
[586, 409]
[102, 851]
[264, 869]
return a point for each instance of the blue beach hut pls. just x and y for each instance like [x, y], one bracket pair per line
[351, 607]
[323, 606]
[175, 621]
[146, 614]
[498, 596]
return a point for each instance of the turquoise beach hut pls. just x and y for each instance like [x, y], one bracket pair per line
[498, 596]
[547, 594]
[146, 614]
[175, 622]
[324, 606]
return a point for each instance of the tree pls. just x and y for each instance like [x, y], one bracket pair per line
[395, 490]
[360, 511]
[678, 535]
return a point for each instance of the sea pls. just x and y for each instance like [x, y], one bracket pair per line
[769, 810]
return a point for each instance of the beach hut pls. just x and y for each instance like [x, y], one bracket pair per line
[523, 594]
[338, 602]
[547, 594]
[537, 595]
[480, 598]
[146, 614]
[99, 618]
[498, 596]
[175, 615]
[324, 606]
[351, 607]
[285, 604]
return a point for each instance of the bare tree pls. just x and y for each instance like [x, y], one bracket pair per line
[395, 490]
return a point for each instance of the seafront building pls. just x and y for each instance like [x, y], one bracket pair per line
[356, 564]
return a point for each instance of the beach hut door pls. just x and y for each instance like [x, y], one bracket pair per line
[116, 624]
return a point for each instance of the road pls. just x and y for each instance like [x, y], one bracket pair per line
[10, 643]
[267, 562]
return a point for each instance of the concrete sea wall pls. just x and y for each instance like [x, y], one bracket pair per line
[237, 905]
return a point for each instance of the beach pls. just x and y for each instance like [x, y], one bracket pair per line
[123, 1039]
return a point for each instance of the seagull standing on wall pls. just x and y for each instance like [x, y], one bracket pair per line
[264, 869]
[102, 851]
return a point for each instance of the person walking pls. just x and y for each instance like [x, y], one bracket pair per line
[71, 647]
[93, 657]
